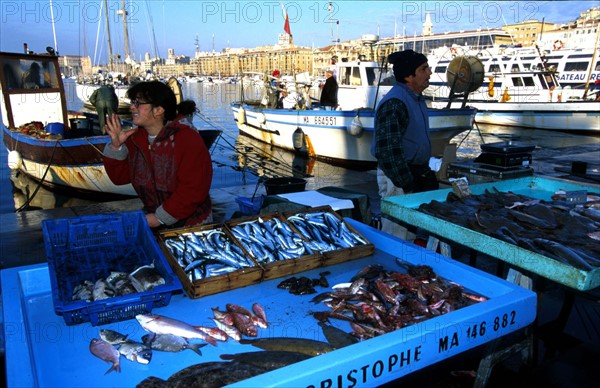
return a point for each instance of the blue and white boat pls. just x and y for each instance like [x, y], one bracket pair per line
[343, 136]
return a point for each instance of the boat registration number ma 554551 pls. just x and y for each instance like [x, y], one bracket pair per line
[320, 120]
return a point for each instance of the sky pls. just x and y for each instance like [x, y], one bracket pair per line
[157, 25]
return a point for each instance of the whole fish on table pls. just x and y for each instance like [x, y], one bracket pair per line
[170, 343]
[163, 325]
[105, 351]
[267, 359]
[136, 352]
[299, 345]
[112, 337]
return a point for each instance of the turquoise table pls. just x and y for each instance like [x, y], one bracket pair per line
[42, 351]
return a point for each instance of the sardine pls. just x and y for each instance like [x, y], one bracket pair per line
[170, 343]
[299, 345]
[105, 351]
[136, 352]
[163, 325]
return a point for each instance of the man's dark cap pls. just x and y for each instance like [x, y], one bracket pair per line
[405, 63]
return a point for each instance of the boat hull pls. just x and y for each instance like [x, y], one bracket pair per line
[580, 117]
[72, 165]
[333, 136]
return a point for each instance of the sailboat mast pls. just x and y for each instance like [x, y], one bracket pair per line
[125, 33]
[110, 54]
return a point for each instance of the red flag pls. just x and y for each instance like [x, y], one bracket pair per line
[286, 25]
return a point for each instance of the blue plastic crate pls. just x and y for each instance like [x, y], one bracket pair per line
[250, 206]
[90, 248]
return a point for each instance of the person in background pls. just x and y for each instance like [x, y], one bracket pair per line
[164, 159]
[106, 102]
[329, 100]
[32, 78]
[401, 143]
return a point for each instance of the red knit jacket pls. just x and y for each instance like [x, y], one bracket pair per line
[175, 171]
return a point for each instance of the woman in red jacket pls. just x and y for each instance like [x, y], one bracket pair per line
[164, 159]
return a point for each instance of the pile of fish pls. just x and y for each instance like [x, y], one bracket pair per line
[172, 335]
[325, 231]
[378, 301]
[142, 279]
[236, 320]
[559, 229]
[303, 285]
[207, 253]
[278, 352]
[270, 240]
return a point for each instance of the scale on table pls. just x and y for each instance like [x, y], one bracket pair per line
[497, 161]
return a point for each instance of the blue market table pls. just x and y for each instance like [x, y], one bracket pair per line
[42, 351]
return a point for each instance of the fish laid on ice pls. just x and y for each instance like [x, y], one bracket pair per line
[299, 345]
[136, 352]
[163, 325]
[170, 343]
[105, 351]
[112, 337]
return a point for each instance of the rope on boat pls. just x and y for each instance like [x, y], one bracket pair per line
[272, 172]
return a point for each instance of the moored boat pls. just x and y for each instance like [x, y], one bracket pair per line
[341, 136]
[60, 149]
[517, 93]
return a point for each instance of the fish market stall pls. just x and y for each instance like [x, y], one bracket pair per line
[405, 209]
[41, 350]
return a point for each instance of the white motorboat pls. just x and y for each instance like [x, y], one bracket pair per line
[341, 136]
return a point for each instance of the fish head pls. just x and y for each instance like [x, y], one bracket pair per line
[145, 318]
[144, 356]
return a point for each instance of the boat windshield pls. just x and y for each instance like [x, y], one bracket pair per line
[29, 73]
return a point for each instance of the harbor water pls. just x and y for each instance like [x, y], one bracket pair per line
[238, 160]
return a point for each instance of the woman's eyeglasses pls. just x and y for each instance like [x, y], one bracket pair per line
[137, 103]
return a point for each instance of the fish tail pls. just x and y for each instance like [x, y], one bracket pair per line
[115, 367]
[196, 348]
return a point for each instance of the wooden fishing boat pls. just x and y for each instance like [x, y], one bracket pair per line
[341, 136]
[60, 149]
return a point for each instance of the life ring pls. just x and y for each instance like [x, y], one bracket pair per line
[558, 44]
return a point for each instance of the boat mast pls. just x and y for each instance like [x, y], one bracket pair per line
[125, 33]
[110, 54]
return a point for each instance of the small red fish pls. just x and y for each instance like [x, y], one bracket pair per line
[234, 308]
[214, 332]
[244, 324]
[105, 351]
[259, 311]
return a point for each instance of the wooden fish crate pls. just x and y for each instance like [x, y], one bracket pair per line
[336, 256]
[286, 267]
[213, 284]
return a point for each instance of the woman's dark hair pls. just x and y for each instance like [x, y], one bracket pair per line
[187, 108]
[156, 93]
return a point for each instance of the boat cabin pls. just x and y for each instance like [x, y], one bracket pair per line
[31, 89]
[361, 84]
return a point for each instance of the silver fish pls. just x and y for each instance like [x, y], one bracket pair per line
[163, 325]
[112, 337]
[102, 290]
[170, 343]
[136, 352]
[105, 351]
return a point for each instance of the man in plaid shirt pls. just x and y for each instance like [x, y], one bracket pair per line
[401, 143]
